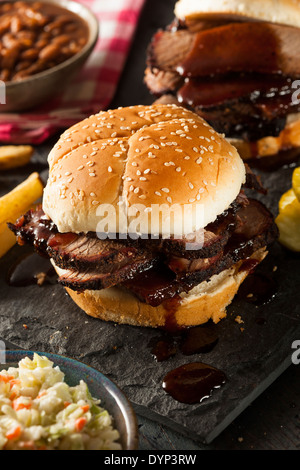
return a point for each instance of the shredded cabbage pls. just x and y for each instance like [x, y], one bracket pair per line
[39, 410]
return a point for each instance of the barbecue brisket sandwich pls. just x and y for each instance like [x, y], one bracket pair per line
[236, 63]
[132, 269]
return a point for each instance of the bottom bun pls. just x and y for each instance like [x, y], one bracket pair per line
[207, 301]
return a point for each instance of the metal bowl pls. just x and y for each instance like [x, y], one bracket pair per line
[100, 386]
[37, 89]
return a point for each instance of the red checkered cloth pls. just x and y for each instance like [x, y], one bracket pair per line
[93, 88]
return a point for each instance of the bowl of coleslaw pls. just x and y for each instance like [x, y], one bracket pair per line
[51, 402]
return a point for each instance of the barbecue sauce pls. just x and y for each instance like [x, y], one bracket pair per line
[258, 289]
[30, 269]
[164, 348]
[192, 383]
[199, 340]
[195, 340]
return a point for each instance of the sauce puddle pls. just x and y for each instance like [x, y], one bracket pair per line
[192, 383]
[30, 269]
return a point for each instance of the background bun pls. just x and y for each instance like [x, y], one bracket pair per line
[277, 11]
[146, 155]
[206, 301]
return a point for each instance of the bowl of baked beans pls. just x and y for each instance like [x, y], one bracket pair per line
[43, 45]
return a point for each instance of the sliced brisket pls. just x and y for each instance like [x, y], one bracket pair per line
[234, 47]
[93, 280]
[158, 270]
[241, 88]
[254, 233]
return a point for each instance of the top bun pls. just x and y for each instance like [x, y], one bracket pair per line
[140, 158]
[276, 11]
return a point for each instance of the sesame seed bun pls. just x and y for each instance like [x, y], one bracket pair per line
[280, 11]
[207, 301]
[142, 155]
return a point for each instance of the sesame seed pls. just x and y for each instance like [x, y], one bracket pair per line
[109, 169]
[136, 190]
[142, 178]
[67, 173]
[157, 193]
[95, 203]
[178, 169]
[191, 185]
[92, 174]
[80, 167]
[93, 194]
[138, 173]
[165, 190]
[147, 171]
[113, 134]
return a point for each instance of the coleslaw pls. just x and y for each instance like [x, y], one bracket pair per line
[40, 411]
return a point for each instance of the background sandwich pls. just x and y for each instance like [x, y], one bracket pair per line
[236, 63]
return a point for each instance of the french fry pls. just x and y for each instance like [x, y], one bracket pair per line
[7, 239]
[13, 156]
[16, 203]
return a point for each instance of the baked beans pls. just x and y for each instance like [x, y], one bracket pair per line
[37, 36]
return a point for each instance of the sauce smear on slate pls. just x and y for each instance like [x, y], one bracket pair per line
[192, 383]
[30, 269]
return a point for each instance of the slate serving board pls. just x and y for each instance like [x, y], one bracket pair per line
[252, 354]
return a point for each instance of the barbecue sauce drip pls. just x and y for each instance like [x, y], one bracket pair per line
[192, 383]
[258, 289]
[163, 349]
[30, 269]
[190, 341]
[199, 340]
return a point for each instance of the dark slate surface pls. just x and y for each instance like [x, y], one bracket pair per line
[251, 359]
